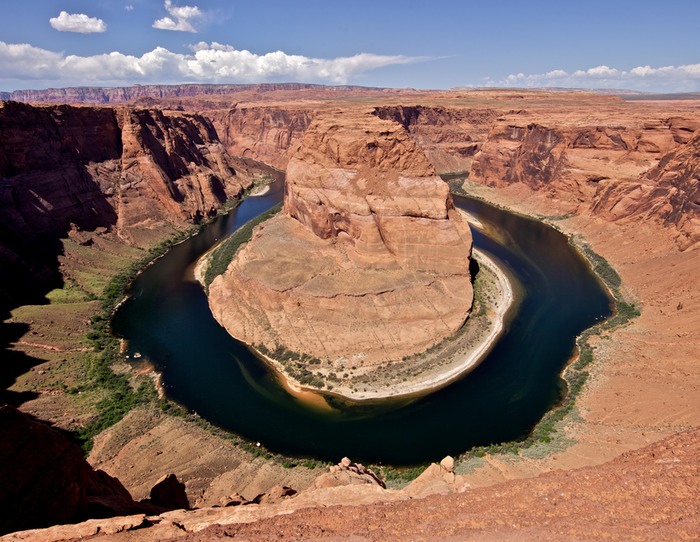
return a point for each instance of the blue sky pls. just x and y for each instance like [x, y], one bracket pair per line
[639, 45]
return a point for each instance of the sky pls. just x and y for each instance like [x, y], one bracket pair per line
[639, 45]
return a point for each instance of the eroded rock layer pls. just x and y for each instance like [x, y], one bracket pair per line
[369, 261]
[138, 173]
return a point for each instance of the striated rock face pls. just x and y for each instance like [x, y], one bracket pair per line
[670, 192]
[177, 163]
[141, 174]
[270, 134]
[369, 261]
[449, 137]
[348, 473]
[561, 157]
[620, 168]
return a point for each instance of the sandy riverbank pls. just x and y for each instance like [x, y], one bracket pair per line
[259, 190]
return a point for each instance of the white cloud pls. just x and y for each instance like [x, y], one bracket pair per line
[684, 78]
[20, 60]
[209, 63]
[129, 7]
[77, 22]
[182, 18]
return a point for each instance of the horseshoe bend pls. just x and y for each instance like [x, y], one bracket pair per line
[366, 266]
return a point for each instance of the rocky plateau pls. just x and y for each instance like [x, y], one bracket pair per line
[79, 182]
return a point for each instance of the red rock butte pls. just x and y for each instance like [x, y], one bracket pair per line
[368, 263]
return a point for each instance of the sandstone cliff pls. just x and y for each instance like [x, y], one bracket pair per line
[619, 167]
[268, 133]
[141, 174]
[369, 261]
[450, 137]
[669, 192]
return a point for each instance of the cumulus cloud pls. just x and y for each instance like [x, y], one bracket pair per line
[181, 18]
[208, 62]
[684, 78]
[77, 22]
[129, 7]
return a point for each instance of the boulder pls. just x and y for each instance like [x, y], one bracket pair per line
[169, 493]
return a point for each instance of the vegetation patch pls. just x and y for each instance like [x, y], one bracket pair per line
[396, 477]
[119, 394]
[219, 257]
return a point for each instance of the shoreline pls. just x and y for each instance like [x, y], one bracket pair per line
[462, 365]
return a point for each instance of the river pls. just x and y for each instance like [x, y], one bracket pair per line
[167, 319]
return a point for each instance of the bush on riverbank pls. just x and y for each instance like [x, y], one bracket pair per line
[219, 258]
[119, 394]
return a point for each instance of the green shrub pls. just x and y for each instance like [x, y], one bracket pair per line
[221, 256]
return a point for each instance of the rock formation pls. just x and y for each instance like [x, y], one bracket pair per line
[142, 174]
[616, 167]
[437, 479]
[449, 137]
[369, 261]
[45, 480]
[669, 192]
[270, 133]
[348, 473]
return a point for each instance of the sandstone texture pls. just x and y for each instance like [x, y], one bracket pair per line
[369, 261]
[144, 446]
[270, 133]
[622, 166]
[449, 137]
[648, 494]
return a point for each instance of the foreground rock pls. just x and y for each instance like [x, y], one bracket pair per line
[648, 494]
[45, 480]
[348, 473]
[369, 261]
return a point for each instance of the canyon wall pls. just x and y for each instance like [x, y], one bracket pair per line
[138, 174]
[449, 137]
[620, 168]
[268, 133]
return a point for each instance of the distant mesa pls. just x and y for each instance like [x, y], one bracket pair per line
[119, 95]
[368, 263]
